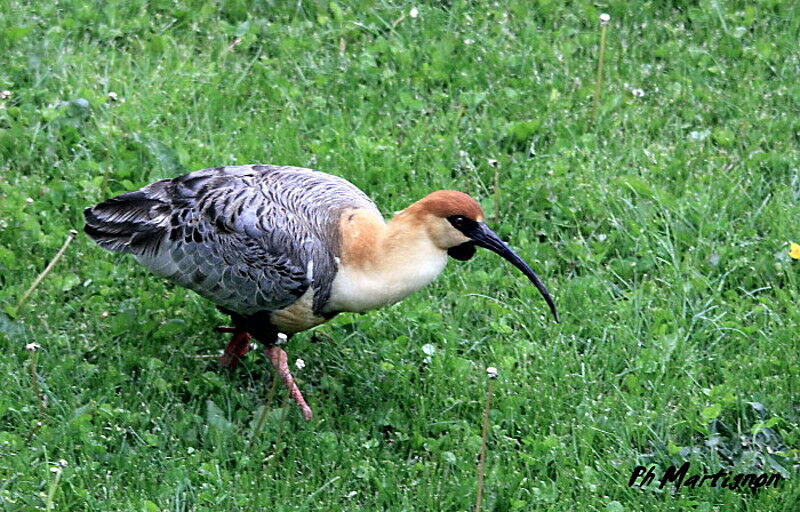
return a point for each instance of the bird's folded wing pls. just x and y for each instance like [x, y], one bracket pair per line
[249, 238]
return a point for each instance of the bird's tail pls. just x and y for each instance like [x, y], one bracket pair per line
[133, 222]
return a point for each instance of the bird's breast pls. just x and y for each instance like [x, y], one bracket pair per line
[358, 289]
[380, 265]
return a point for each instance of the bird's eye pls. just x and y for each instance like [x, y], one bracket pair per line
[458, 221]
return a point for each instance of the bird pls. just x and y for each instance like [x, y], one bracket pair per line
[282, 249]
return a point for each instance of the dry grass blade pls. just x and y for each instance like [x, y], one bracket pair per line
[40, 277]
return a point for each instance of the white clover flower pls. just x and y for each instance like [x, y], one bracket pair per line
[299, 364]
[32, 347]
[113, 96]
[414, 12]
[491, 372]
[604, 19]
[4, 95]
[639, 93]
[63, 463]
[469, 41]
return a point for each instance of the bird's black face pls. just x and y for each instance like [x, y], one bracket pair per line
[482, 236]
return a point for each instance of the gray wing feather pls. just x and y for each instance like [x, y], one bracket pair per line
[248, 238]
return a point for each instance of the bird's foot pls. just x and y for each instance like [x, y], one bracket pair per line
[280, 361]
[237, 347]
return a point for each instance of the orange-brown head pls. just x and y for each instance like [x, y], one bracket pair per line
[446, 203]
[454, 222]
[435, 211]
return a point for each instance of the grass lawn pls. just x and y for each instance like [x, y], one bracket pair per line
[660, 220]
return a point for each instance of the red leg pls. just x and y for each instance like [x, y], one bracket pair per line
[237, 347]
[279, 361]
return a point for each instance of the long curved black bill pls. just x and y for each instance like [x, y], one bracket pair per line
[486, 238]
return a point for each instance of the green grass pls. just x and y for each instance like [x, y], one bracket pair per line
[661, 227]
